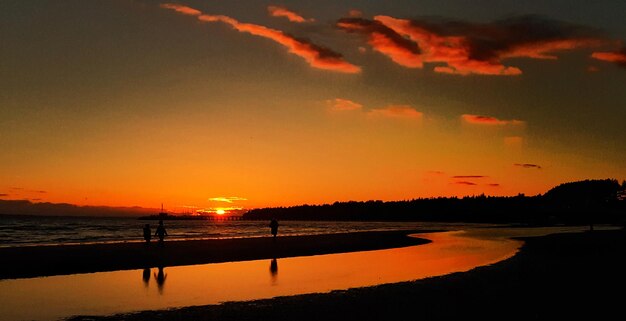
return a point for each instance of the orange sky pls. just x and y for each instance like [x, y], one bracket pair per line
[201, 105]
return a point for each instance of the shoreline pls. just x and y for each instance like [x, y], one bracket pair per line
[558, 276]
[38, 261]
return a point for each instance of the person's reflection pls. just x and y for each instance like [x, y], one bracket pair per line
[160, 279]
[274, 271]
[146, 276]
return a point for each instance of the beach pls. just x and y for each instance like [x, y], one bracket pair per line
[36, 261]
[559, 276]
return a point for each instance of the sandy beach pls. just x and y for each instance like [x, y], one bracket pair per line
[25, 262]
[559, 276]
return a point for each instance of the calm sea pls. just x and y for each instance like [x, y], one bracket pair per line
[41, 230]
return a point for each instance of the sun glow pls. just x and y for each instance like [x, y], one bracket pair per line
[220, 212]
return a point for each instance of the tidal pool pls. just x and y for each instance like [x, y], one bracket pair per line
[56, 297]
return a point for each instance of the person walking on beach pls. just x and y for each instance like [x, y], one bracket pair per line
[274, 227]
[161, 232]
[147, 233]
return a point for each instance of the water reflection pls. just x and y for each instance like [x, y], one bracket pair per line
[146, 276]
[160, 279]
[274, 271]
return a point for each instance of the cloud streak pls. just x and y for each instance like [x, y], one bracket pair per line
[616, 57]
[389, 112]
[488, 120]
[464, 48]
[526, 165]
[181, 9]
[469, 176]
[227, 199]
[279, 11]
[465, 183]
[316, 56]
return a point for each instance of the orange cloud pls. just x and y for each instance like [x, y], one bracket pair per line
[339, 104]
[467, 48]
[397, 111]
[617, 57]
[316, 56]
[493, 185]
[488, 120]
[181, 9]
[278, 11]
[391, 111]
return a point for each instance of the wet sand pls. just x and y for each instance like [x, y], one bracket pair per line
[554, 277]
[24, 262]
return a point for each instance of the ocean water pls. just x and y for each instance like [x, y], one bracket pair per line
[42, 230]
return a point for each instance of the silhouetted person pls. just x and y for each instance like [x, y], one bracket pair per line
[274, 227]
[160, 278]
[147, 233]
[160, 232]
[146, 276]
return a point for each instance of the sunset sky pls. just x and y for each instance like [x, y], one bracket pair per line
[243, 104]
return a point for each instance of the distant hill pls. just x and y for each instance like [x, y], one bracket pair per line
[23, 207]
[571, 203]
[586, 192]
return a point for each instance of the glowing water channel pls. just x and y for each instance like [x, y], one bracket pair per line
[52, 298]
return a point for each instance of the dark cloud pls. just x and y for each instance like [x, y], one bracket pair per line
[469, 176]
[384, 40]
[3, 195]
[489, 120]
[494, 185]
[528, 165]
[465, 183]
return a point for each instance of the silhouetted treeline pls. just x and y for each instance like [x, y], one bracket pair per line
[583, 202]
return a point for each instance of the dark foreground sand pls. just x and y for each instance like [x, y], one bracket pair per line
[578, 276]
[24, 262]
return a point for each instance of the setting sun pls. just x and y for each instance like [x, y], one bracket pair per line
[220, 212]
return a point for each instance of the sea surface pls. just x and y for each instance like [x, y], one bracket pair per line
[49, 230]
